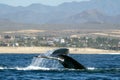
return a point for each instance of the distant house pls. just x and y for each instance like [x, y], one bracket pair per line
[16, 44]
[62, 41]
[5, 44]
[115, 47]
[74, 36]
[50, 43]
[33, 38]
[56, 40]
[7, 37]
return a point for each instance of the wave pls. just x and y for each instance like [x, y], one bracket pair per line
[93, 69]
[25, 68]
[112, 53]
[2, 68]
[39, 68]
[34, 68]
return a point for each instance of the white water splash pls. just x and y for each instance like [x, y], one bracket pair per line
[1, 68]
[25, 68]
[44, 63]
[31, 68]
[39, 64]
[91, 68]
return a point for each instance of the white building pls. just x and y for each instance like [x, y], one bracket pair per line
[62, 41]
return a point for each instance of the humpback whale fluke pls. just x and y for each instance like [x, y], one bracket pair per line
[69, 62]
[62, 56]
[61, 51]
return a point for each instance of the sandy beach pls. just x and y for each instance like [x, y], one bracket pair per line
[37, 50]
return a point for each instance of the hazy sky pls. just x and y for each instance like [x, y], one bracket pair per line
[28, 2]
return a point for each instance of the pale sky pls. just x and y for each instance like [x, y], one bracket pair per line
[28, 2]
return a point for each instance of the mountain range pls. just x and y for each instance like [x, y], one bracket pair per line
[93, 11]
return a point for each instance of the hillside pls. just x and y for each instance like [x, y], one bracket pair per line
[98, 14]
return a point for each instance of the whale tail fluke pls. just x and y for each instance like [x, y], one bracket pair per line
[64, 59]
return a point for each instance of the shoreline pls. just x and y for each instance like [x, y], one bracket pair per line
[39, 50]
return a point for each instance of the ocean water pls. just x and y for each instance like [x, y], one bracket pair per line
[26, 67]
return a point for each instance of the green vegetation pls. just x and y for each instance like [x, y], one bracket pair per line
[107, 43]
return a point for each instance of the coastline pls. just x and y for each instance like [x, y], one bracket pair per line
[39, 50]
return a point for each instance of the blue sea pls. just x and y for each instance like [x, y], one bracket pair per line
[26, 67]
